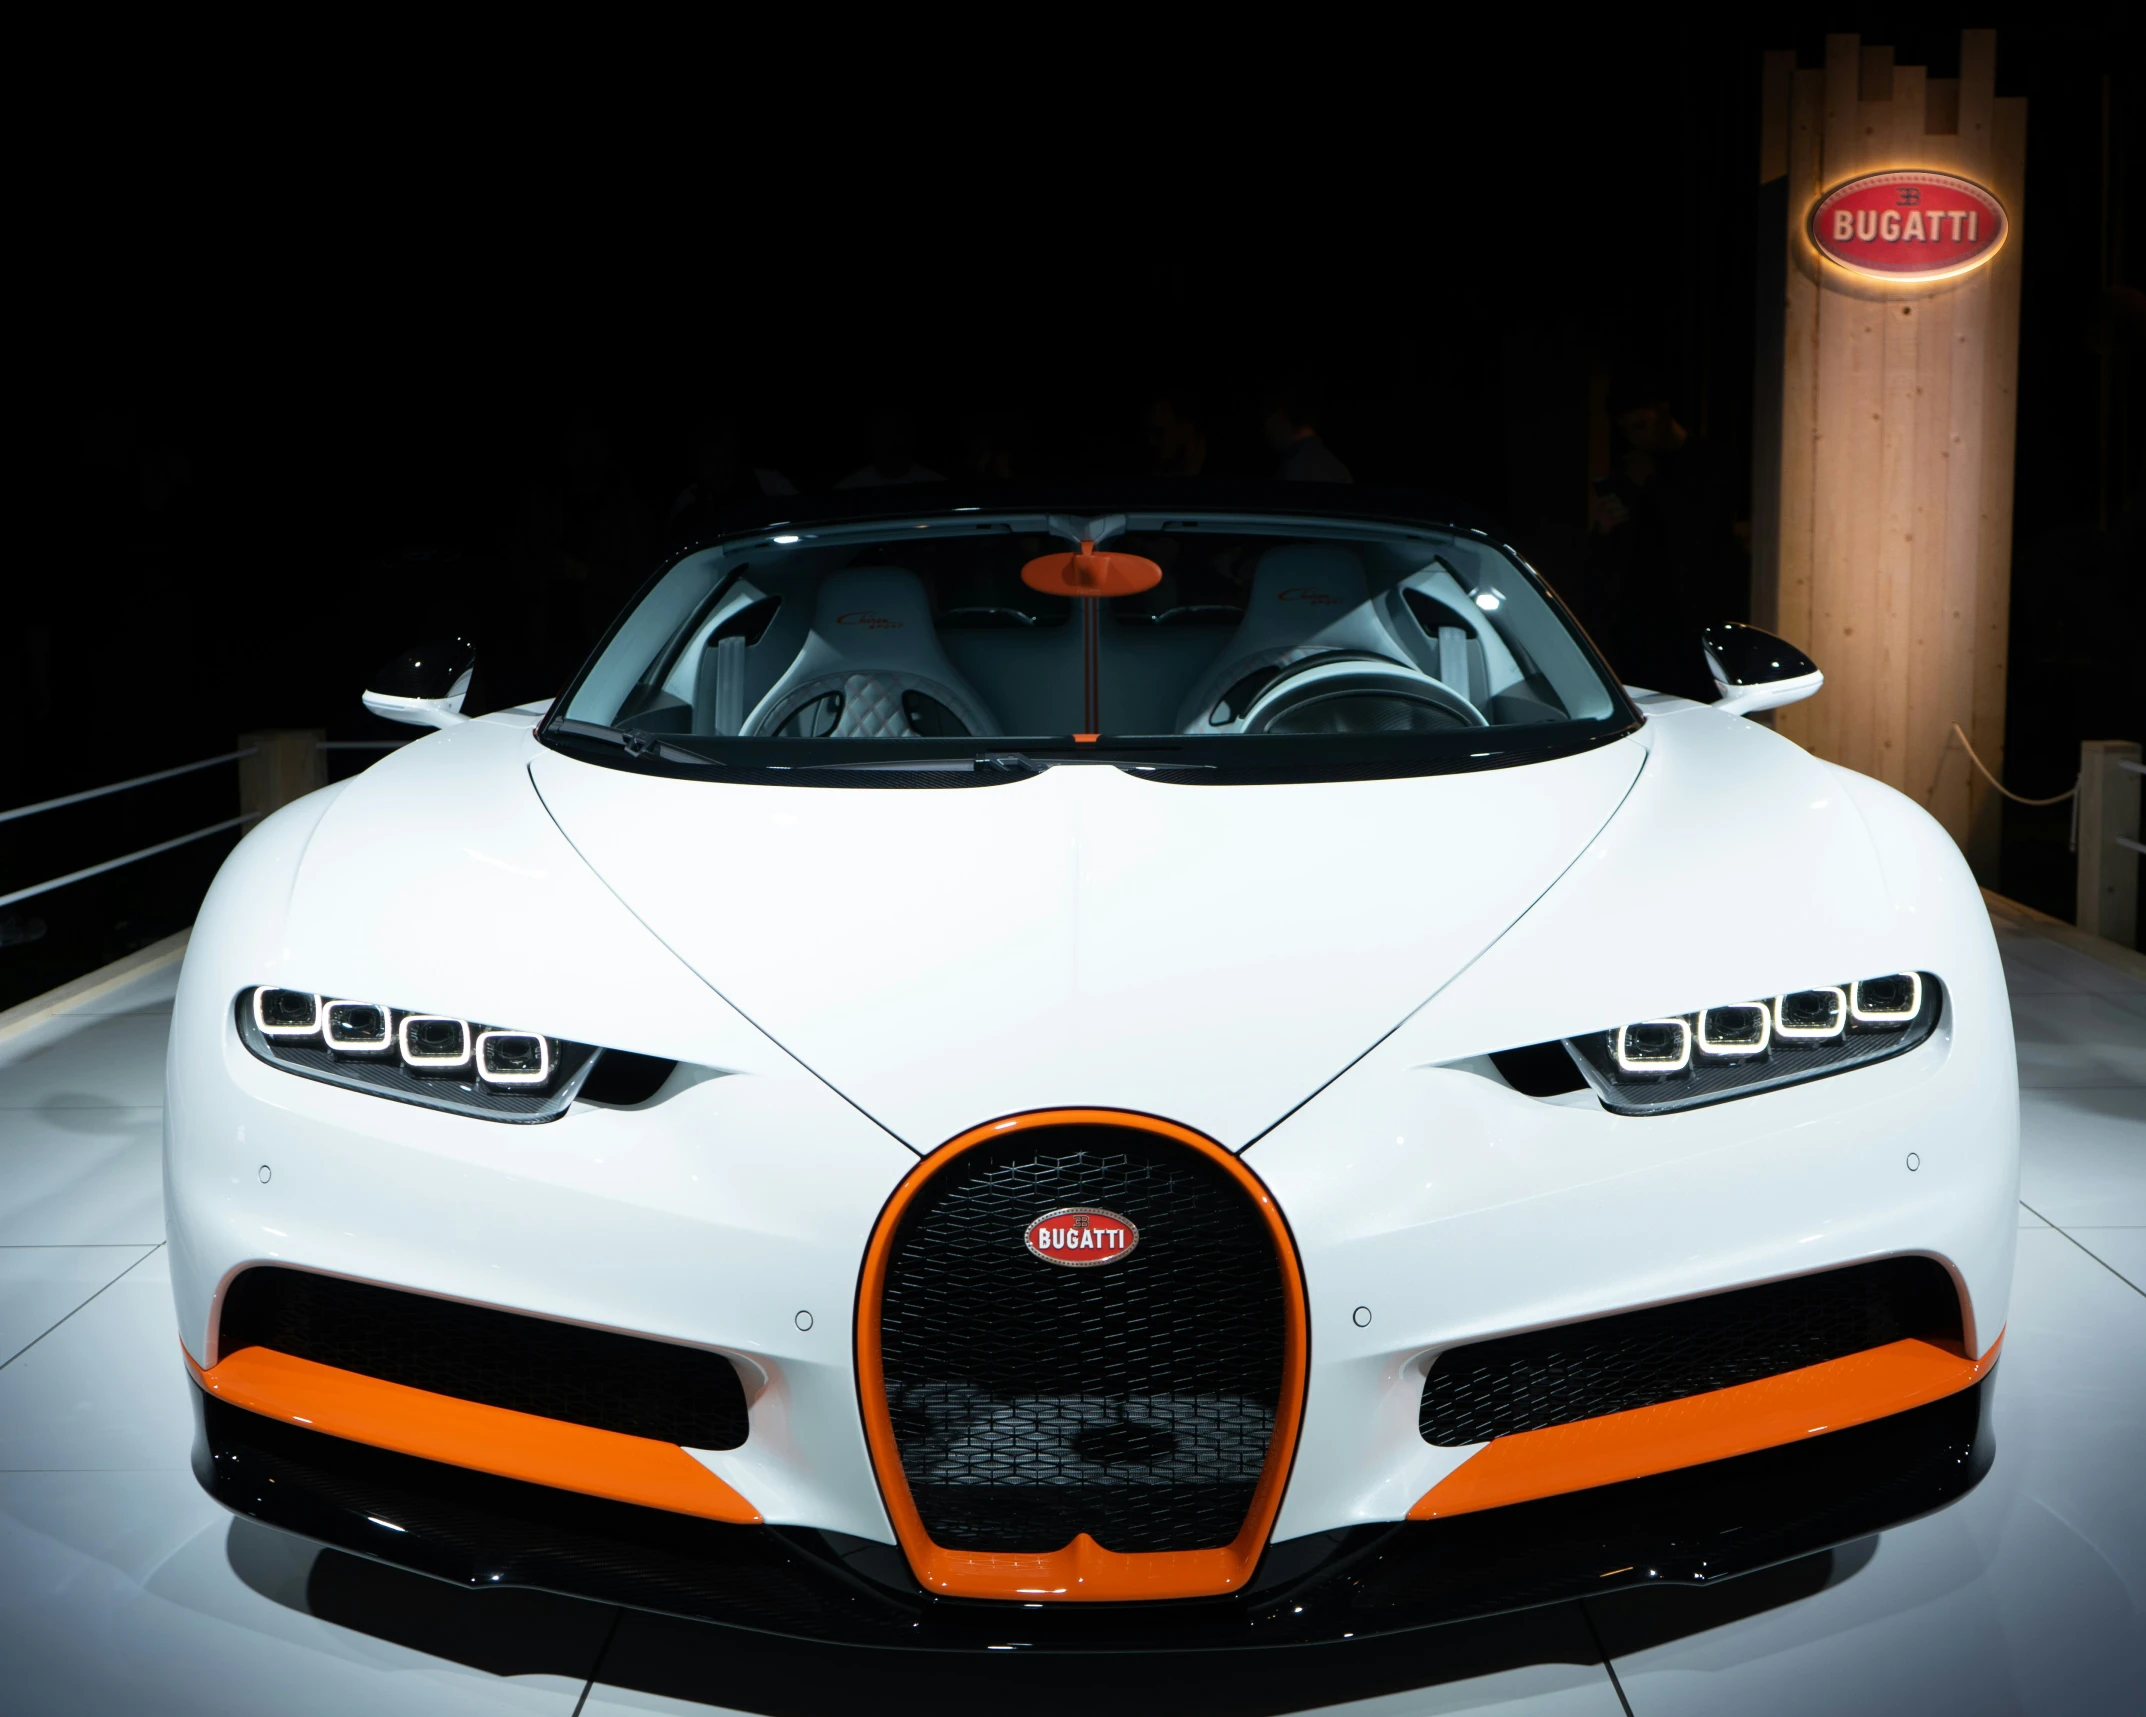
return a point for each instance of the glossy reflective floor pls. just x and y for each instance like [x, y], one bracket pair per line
[123, 1589]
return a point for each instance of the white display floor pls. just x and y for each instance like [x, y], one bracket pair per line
[124, 1589]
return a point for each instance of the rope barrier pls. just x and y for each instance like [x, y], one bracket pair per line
[120, 787]
[2053, 799]
[114, 864]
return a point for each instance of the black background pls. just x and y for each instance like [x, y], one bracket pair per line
[307, 321]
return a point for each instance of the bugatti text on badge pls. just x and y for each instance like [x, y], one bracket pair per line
[1080, 1237]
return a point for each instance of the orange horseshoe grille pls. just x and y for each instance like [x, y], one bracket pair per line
[1049, 1434]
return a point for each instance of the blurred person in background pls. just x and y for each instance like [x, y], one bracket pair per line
[993, 447]
[720, 478]
[1664, 561]
[894, 454]
[1291, 423]
[580, 537]
[1176, 435]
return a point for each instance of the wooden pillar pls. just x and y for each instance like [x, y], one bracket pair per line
[1882, 511]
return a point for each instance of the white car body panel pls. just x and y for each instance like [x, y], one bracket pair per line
[1212, 954]
[851, 976]
[1497, 1213]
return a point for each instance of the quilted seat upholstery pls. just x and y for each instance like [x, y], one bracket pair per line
[871, 645]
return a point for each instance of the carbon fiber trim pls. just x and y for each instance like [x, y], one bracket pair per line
[1691, 1528]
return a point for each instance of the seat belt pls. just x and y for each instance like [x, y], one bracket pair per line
[726, 662]
[729, 712]
[1453, 642]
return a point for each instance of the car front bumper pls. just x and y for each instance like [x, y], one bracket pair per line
[1695, 1527]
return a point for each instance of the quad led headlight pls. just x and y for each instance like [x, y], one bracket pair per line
[285, 1013]
[357, 1028]
[1735, 1049]
[441, 1061]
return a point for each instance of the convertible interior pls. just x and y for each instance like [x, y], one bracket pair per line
[1242, 634]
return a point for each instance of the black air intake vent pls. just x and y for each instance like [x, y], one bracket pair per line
[627, 1383]
[1134, 1401]
[1637, 1359]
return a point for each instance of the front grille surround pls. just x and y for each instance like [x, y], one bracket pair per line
[1031, 1416]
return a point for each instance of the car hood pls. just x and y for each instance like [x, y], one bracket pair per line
[1083, 937]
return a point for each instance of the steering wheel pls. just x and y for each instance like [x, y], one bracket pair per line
[1348, 693]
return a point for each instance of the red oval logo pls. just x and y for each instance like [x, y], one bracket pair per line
[1908, 225]
[1081, 1236]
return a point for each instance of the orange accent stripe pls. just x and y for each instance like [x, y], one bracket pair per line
[470, 1434]
[1083, 1571]
[1735, 1421]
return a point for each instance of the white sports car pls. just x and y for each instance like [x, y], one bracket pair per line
[1125, 1071]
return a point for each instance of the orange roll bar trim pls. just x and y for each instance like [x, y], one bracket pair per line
[1083, 1571]
[1787, 1408]
[469, 1434]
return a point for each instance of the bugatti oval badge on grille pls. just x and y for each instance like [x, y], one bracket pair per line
[1080, 1236]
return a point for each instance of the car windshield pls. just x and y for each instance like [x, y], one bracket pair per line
[1302, 647]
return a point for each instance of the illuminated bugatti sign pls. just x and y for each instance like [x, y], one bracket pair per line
[1080, 1236]
[1908, 225]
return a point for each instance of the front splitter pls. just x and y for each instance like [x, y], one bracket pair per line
[1694, 1527]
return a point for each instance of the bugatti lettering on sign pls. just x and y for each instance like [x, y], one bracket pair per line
[1115, 1068]
[1908, 225]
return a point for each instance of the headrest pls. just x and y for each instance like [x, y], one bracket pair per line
[875, 619]
[1327, 578]
[880, 611]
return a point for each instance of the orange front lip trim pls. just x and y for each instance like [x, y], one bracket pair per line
[1723, 1422]
[469, 1434]
[1083, 1570]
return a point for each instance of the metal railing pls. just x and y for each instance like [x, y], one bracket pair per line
[270, 794]
[2108, 839]
[121, 786]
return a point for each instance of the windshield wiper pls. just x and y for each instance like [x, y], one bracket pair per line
[632, 743]
[989, 762]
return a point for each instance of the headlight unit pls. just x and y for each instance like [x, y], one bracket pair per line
[1735, 1049]
[439, 1061]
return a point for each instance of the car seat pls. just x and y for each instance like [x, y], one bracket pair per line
[1308, 599]
[871, 668]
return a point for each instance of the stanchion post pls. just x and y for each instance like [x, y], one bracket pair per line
[2109, 774]
[286, 764]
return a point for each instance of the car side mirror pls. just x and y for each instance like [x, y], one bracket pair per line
[426, 687]
[1755, 670]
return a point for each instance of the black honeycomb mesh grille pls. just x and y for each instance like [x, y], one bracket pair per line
[1134, 1401]
[626, 1383]
[1636, 1359]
